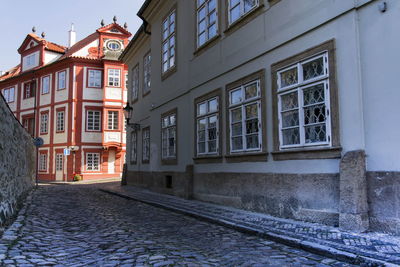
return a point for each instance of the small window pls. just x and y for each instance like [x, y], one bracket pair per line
[114, 77]
[43, 162]
[29, 125]
[61, 78]
[135, 82]
[45, 85]
[168, 135]
[93, 161]
[147, 73]
[95, 78]
[9, 94]
[29, 89]
[207, 17]
[60, 124]
[59, 162]
[113, 120]
[146, 145]
[114, 45]
[168, 42]
[133, 147]
[93, 120]
[239, 8]
[44, 123]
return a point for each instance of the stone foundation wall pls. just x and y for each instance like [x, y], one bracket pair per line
[384, 201]
[282, 195]
[17, 162]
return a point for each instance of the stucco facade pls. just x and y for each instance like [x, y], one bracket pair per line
[72, 97]
[344, 171]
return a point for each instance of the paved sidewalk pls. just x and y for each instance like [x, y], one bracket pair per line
[363, 249]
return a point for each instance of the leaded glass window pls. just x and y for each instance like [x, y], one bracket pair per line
[134, 147]
[147, 73]
[207, 126]
[303, 102]
[168, 136]
[245, 118]
[135, 82]
[146, 144]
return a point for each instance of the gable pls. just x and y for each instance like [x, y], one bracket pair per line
[31, 40]
[31, 44]
[114, 28]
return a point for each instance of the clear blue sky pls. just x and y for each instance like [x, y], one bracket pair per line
[54, 17]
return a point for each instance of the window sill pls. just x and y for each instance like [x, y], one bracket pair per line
[170, 161]
[168, 73]
[247, 157]
[308, 153]
[207, 159]
[206, 45]
[145, 161]
[244, 19]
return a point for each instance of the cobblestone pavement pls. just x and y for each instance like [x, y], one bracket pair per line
[365, 249]
[78, 225]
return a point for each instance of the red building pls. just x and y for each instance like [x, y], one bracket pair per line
[72, 97]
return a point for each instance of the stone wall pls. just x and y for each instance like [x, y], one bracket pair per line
[17, 162]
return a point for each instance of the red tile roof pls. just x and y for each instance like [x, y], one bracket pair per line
[11, 73]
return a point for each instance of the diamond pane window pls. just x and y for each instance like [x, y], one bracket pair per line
[304, 117]
[207, 127]
[245, 118]
[168, 136]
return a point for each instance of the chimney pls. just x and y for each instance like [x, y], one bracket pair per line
[72, 36]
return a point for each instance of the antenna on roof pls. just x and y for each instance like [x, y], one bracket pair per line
[43, 35]
[115, 19]
[33, 29]
[102, 23]
[126, 25]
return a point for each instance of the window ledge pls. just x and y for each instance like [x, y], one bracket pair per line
[207, 159]
[199, 50]
[171, 161]
[168, 73]
[244, 19]
[246, 157]
[308, 153]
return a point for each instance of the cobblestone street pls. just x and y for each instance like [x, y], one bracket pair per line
[77, 225]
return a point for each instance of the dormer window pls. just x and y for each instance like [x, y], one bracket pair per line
[113, 45]
[30, 61]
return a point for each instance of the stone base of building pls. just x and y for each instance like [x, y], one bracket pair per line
[306, 197]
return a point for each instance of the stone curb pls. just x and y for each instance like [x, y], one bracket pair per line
[293, 242]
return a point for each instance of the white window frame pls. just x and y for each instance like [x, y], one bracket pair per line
[299, 88]
[146, 144]
[114, 77]
[59, 162]
[45, 84]
[90, 165]
[147, 73]
[242, 11]
[242, 104]
[165, 135]
[91, 122]
[134, 135]
[60, 124]
[205, 4]
[9, 94]
[207, 115]
[112, 120]
[135, 82]
[44, 123]
[95, 78]
[62, 80]
[167, 58]
[42, 162]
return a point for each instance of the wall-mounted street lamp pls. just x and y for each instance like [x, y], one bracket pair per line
[127, 112]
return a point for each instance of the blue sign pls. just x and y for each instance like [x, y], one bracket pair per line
[38, 142]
